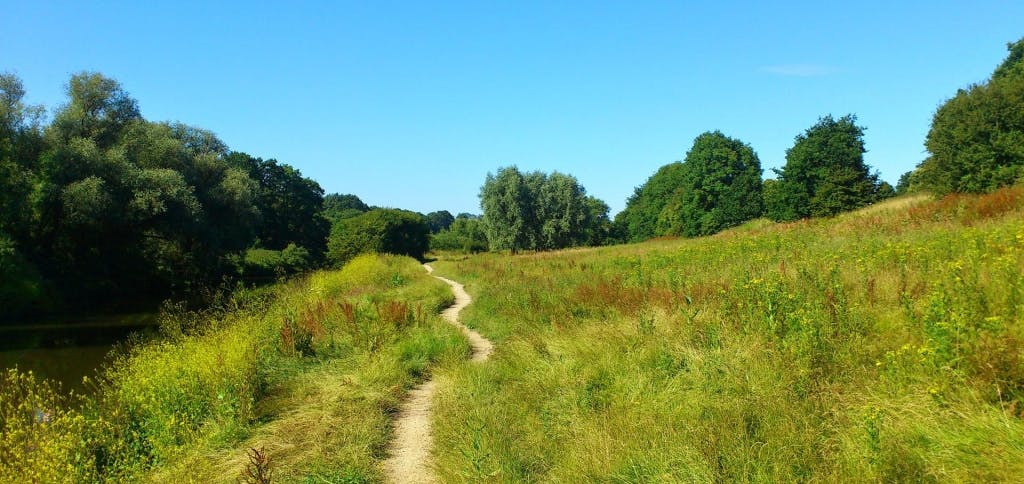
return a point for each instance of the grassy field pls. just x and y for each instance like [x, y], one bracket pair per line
[881, 345]
[309, 371]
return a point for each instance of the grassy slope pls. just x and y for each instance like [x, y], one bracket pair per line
[317, 396]
[886, 344]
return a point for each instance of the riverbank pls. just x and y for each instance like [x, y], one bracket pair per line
[312, 377]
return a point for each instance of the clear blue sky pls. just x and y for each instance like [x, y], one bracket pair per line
[410, 104]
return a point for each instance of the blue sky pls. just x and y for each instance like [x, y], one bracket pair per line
[411, 104]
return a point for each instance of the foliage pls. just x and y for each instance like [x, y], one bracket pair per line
[384, 231]
[879, 345]
[337, 207]
[721, 188]
[639, 220]
[188, 407]
[440, 220]
[537, 211]
[290, 205]
[825, 173]
[21, 288]
[266, 263]
[466, 234]
[106, 208]
[976, 141]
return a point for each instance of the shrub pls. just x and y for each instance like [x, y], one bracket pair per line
[382, 231]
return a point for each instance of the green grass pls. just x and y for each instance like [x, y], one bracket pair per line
[311, 373]
[880, 345]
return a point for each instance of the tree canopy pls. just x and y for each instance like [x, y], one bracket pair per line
[536, 211]
[380, 230]
[721, 188]
[825, 173]
[976, 141]
[639, 220]
[102, 206]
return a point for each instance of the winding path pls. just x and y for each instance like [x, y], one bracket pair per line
[410, 449]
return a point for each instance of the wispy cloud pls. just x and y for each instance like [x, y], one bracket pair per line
[800, 70]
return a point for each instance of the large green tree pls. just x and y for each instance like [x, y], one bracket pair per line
[290, 205]
[507, 203]
[825, 173]
[721, 188]
[639, 220]
[538, 211]
[976, 141]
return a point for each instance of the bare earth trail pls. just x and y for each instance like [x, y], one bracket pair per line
[410, 449]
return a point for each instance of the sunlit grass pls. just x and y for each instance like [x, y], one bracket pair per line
[884, 344]
[311, 377]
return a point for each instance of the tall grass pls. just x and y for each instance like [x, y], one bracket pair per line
[881, 345]
[309, 373]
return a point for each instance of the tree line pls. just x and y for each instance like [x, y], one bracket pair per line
[101, 208]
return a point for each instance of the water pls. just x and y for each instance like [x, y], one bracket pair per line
[68, 350]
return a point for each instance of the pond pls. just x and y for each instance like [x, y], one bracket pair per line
[69, 349]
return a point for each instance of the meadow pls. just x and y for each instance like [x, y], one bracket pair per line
[885, 344]
[307, 372]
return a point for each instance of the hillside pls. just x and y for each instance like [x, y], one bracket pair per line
[883, 344]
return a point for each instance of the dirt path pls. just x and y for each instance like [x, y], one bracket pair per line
[410, 449]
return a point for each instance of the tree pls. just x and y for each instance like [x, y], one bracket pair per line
[540, 212]
[561, 212]
[639, 220]
[825, 173]
[507, 204]
[338, 207]
[907, 183]
[21, 142]
[721, 188]
[976, 141]
[440, 220]
[290, 205]
[466, 234]
[381, 231]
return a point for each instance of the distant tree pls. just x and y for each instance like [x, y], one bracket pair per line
[639, 220]
[440, 220]
[539, 211]
[381, 231]
[884, 191]
[721, 188]
[598, 228]
[976, 140]
[903, 185]
[561, 211]
[507, 204]
[466, 234]
[825, 173]
[290, 205]
[338, 207]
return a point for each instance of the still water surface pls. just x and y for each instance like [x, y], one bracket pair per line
[68, 350]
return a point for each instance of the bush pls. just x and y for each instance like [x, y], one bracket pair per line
[21, 287]
[266, 263]
[383, 231]
[465, 235]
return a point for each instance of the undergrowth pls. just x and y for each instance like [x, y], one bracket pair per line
[881, 345]
[308, 373]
